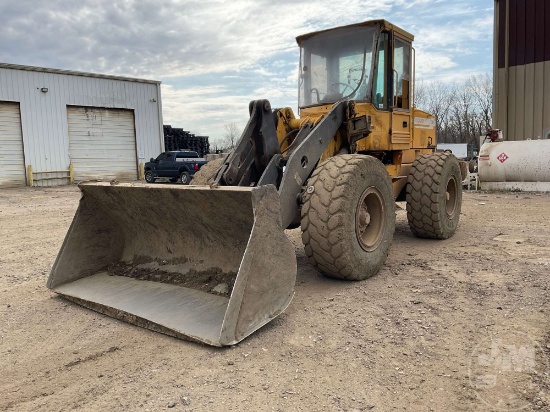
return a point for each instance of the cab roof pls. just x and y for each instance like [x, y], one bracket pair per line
[382, 24]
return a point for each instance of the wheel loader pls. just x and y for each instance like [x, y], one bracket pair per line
[211, 262]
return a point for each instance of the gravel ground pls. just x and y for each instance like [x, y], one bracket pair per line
[455, 325]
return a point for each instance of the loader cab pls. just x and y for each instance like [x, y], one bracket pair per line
[367, 62]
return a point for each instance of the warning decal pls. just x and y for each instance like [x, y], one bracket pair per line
[502, 157]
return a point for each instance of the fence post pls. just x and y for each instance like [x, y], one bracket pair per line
[29, 176]
[141, 171]
[71, 174]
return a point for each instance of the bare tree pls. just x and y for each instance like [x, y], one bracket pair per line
[227, 141]
[481, 87]
[460, 116]
[463, 111]
[215, 146]
[436, 98]
[231, 135]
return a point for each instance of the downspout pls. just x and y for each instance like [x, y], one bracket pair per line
[496, 91]
[161, 126]
[507, 68]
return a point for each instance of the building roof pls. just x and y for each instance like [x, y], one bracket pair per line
[74, 73]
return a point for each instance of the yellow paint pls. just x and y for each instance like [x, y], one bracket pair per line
[141, 171]
[391, 132]
[333, 147]
[423, 137]
[401, 128]
[71, 174]
[31, 179]
[29, 176]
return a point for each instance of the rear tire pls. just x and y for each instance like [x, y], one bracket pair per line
[348, 217]
[149, 176]
[434, 196]
[206, 173]
[185, 178]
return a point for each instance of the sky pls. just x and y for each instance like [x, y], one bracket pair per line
[213, 56]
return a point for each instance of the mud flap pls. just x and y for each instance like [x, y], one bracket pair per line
[206, 264]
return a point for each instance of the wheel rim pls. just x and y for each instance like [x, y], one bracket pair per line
[184, 178]
[370, 218]
[451, 197]
[148, 176]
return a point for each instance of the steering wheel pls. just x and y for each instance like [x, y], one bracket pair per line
[346, 86]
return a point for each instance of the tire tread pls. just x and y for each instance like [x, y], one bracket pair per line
[325, 209]
[424, 208]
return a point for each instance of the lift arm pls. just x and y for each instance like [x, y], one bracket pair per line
[257, 159]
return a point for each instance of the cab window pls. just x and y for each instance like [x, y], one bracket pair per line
[402, 73]
[379, 90]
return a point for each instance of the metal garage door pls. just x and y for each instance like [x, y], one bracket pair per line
[102, 143]
[12, 160]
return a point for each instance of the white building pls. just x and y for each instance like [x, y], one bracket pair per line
[103, 126]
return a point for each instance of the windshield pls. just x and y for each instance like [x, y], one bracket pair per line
[336, 65]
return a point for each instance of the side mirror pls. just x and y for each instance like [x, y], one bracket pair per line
[153, 160]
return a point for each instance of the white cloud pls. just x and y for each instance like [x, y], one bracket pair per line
[429, 63]
[203, 109]
[214, 56]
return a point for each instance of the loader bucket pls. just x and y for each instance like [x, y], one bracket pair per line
[206, 264]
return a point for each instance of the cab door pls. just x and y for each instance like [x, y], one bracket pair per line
[164, 164]
[400, 92]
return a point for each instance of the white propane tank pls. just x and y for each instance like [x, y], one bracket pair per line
[515, 165]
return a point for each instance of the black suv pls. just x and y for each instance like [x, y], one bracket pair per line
[175, 165]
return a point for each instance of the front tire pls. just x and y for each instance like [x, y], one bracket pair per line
[149, 176]
[348, 217]
[434, 196]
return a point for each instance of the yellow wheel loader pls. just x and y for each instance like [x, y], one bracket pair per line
[211, 262]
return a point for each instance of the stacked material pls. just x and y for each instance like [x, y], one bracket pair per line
[178, 139]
